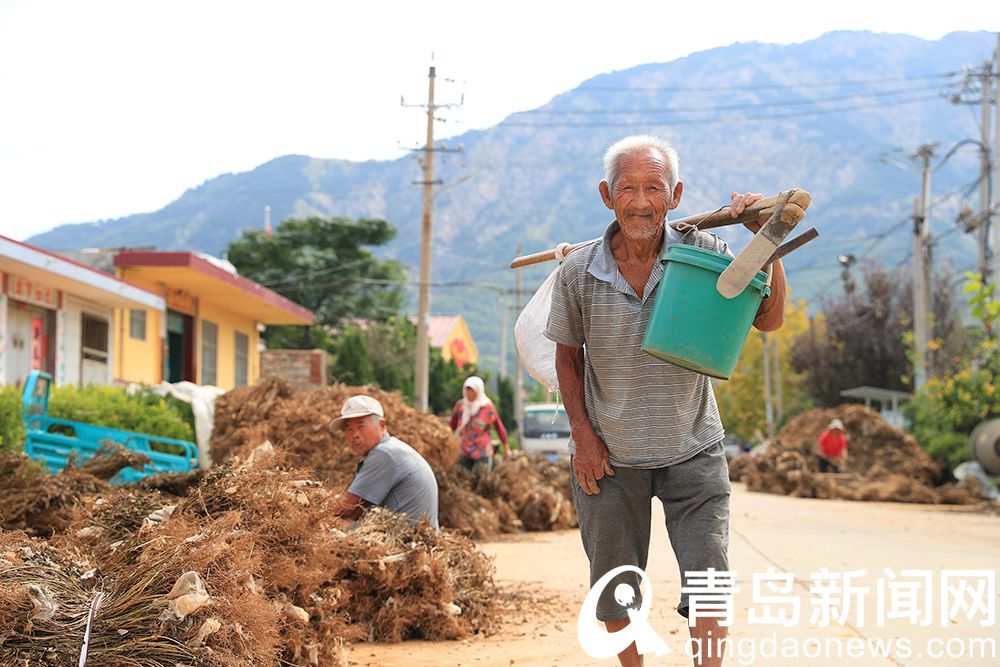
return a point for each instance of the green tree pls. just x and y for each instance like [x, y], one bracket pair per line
[392, 349]
[446, 383]
[946, 410]
[538, 393]
[505, 401]
[859, 340]
[741, 399]
[12, 433]
[382, 353]
[325, 265]
[352, 364]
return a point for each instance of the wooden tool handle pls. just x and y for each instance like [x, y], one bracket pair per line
[796, 243]
[546, 255]
[761, 210]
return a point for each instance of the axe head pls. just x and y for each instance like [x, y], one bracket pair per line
[735, 278]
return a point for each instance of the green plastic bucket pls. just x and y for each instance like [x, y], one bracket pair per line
[692, 325]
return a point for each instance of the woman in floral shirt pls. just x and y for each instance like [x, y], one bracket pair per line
[472, 421]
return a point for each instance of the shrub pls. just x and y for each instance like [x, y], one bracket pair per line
[946, 410]
[113, 407]
[949, 448]
[11, 421]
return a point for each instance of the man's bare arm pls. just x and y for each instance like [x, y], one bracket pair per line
[771, 314]
[590, 462]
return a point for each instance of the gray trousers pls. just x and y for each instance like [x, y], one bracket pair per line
[615, 524]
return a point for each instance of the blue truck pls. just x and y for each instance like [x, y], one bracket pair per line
[52, 441]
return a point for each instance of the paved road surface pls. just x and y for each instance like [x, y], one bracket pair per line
[793, 535]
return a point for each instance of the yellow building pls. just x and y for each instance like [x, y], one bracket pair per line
[56, 316]
[210, 330]
[451, 335]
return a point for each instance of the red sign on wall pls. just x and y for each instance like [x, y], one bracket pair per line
[32, 292]
[181, 301]
[37, 344]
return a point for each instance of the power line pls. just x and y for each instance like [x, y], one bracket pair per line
[884, 235]
[726, 107]
[771, 86]
[742, 119]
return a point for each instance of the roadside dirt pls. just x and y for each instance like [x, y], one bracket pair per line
[543, 578]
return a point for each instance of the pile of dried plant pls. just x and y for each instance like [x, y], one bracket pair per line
[39, 503]
[528, 492]
[298, 421]
[883, 464]
[247, 568]
[525, 492]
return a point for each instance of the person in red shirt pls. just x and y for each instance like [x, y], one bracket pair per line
[832, 447]
[473, 420]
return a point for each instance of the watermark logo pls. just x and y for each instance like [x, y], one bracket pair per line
[598, 642]
[826, 599]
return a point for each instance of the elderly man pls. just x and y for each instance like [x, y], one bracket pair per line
[641, 427]
[391, 473]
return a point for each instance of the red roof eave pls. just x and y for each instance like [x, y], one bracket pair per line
[192, 261]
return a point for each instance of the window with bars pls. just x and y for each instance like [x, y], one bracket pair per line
[209, 352]
[242, 358]
[137, 324]
[95, 338]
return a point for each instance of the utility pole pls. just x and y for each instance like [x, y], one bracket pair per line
[919, 301]
[845, 273]
[766, 358]
[421, 374]
[986, 82]
[504, 324]
[994, 175]
[926, 152]
[779, 403]
[518, 399]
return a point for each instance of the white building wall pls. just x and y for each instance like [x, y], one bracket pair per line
[4, 342]
[77, 369]
[63, 354]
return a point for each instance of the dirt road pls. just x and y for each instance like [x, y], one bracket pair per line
[545, 574]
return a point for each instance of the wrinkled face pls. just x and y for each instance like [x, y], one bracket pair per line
[470, 394]
[362, 433]
[641, 195]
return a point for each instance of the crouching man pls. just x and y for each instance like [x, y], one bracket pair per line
[391, 474]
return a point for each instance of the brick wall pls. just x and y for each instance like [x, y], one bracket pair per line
[299, 368]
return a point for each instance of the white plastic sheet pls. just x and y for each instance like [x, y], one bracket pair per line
[536, 352]
[201, 398]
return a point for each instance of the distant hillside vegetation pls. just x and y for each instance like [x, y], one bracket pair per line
[749, 116]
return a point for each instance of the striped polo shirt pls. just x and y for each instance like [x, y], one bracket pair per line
[648, 412]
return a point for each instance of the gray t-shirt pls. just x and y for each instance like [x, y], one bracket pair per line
[398, 478]
[648, 412]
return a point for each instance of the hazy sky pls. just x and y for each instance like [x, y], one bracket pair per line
[115, 107]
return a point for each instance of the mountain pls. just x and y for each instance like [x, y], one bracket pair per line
[749, 116]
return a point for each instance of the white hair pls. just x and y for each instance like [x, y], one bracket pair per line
[638, 143]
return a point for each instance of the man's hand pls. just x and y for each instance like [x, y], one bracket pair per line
[590, 462]
[738, 205]
[348, 506]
